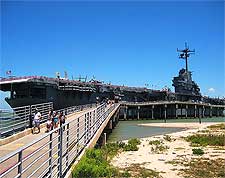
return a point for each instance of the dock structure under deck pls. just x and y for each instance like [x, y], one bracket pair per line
[169, 109]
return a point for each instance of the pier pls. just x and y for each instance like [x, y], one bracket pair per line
[169, 109]
[52, 154]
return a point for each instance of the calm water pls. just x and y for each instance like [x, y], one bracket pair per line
[130, 129]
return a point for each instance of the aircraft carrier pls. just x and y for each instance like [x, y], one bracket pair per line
[64, 92]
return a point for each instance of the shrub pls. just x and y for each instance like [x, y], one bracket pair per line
[198, 151]
[134, 141]
[159, 148]
[155, 142]
[94, 164]
[167, 138]
[204, 140]
[111, 149]
[132, 145]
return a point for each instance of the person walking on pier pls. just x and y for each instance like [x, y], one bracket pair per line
[36, 121]
[55, 119]
[49, 124]
[62, 119]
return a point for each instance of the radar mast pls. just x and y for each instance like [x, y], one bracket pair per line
[185, 54]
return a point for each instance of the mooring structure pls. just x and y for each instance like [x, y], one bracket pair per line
[169, 110]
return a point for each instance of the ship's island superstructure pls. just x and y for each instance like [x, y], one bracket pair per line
[64, 92]
[185, 87]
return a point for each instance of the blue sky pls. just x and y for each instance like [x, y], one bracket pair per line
[130, 43]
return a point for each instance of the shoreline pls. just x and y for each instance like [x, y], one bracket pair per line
[177, 149]
[185, 125]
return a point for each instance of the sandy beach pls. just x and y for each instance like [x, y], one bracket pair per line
[178, 149]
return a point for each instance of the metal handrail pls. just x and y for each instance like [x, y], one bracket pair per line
[170, 102]
[65, 145]
[21, 117]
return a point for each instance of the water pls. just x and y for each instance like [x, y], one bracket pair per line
[130, 129]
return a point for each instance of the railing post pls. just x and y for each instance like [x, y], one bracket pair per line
[78, 133]
[14, 121]
[94, 119]
[67, 145]
[50, 154]
[60, 151]
[20, 163]
[87, 131]
[90, 128]
[25, 126]
[85, 128]
[30, 117]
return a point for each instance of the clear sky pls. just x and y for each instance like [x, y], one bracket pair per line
[130, 43]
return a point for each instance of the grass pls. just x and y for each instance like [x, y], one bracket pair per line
[206, 139]
[154, 142]
[198, 168]
[179, 148]
[173, 162]
[132, 145]
[158, 146]
[125, 174]
[135, 170]
[217, 126]
[159, 149]
[167, 138]
[197, 151]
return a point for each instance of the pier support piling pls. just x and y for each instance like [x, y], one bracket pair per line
[195, 111]
[138, 112]
[165, 112]
[186, 111]
[176, 115]
[153, 111]
[104, 140]
[210, 110]
[125, 113]
[203, 111]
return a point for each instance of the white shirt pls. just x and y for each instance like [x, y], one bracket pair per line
[49, 122]
[37, 116]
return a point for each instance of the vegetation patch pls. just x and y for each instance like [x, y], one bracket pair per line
[135, 170]
[158, 146]
[217, 127]
[168, 138]
[155, 142]
[206, 139]
[198, 168]
[197, 151]
[173, 162]
[219, 148]
[179, 148]
[132, 145]
[96, 162]
[112, 149]
[204, 131]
